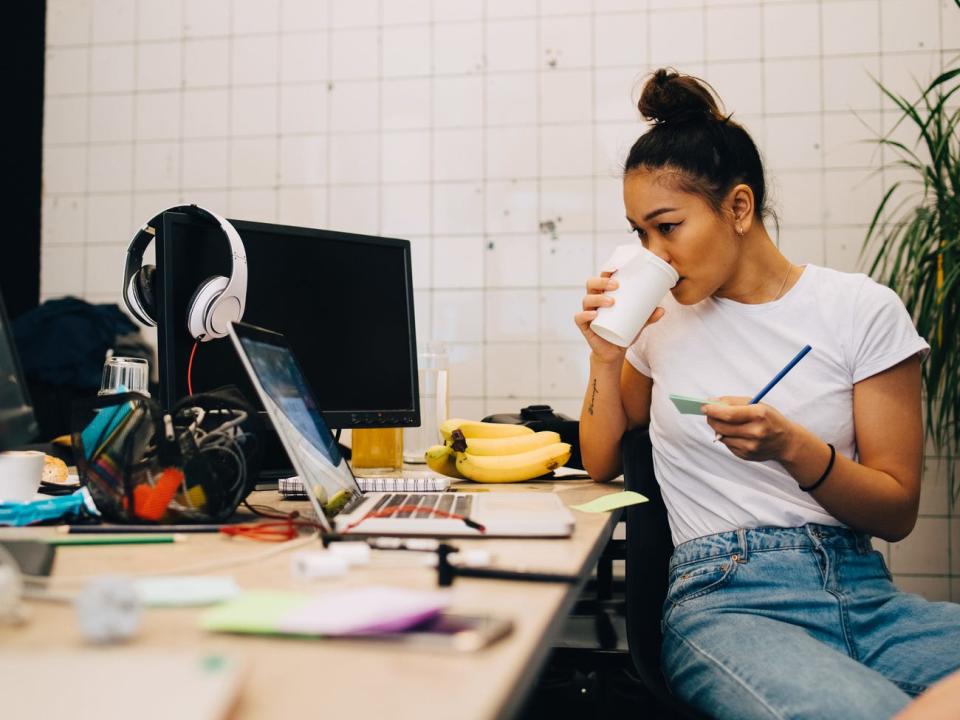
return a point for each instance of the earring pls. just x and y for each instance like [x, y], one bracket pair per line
[739, 229]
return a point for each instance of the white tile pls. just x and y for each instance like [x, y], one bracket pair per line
[907, 75]
[65, 119]
[156, 166]
[565, 42]
[254, 16]
[254, 204]
[842, 248]
[802, 245]
[61, 270]
[111, 168]
[253, 162]
[68, 23]
[457, 208]
[511, 404]
[421, 252]
[255, 59]
[111, 118]
[150, 203]
[303, 15]
[794, 142]
[935, 487]
[457, 48]
[566, 151]
[512, 206]
[511, 316]
[797, 197]
[734, 33]
[157, 116]
[458, 316]
[851, 26]
[511, 99]
[457, 102]
[557, 308]
[565, 260]
[354, 13]
[568, 203]
[457, 262]
[354, 158]
[510, 8]
[303, 160]
[567, 7]
[102, 265]
[934, 589]
[615, 95]
[304, 57]
[467, 407]
[355, 53]
[615, 40]
[159, 20]
[159, 66]
[566, 96]
[110, 219]
[66, 70]
[458, 154]
[406, 51]
[604, 6]
[851, 196]
[303, 206]
[604, 245]
[205, 164]
[511, 152]
[62, 220]
[791, 30]
[564, 370]
[352, 208]
[206, 62]
[511, 371]
[851, 84]
[111, 68]
[676, 37]
[113, 21]
[792, 86]
[405, 157]
[303, 108]
[913, 25]
[924, 550]
[849, 140]
[253, 110]
[608, 211]
[406, 12]
[405, 209]
[354, 105]
[949, 29]
[206, 113]
[511, 45]
[512, 261]
[204, 19]
[405, 103]
[739, 85]
[466, 369]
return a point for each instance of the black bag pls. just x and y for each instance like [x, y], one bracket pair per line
[543, 417]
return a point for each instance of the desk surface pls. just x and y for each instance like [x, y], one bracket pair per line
[341, 678]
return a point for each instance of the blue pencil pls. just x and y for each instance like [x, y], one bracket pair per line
[779, 376]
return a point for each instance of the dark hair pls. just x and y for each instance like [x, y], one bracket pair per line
[690, 135]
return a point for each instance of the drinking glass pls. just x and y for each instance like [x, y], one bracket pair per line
[434, 403]
[125, 374]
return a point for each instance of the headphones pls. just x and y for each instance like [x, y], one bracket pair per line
[216, 303]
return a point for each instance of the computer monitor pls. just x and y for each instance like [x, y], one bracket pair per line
[17, 423]
[344, 302]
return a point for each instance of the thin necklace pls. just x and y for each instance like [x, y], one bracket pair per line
[784, 283]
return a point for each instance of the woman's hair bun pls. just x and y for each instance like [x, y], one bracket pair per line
[670, 97]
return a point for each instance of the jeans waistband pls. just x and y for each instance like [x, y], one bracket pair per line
[745, 541]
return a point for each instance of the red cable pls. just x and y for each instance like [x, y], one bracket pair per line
[193, 352]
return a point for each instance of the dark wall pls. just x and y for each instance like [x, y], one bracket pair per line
[23, 47]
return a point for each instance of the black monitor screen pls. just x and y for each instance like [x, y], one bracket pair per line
[344, 302]
[17, 423]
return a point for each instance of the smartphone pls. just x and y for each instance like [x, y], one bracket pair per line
[448, 632]
[690, 405]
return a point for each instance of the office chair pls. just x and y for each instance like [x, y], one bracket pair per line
[648, 551]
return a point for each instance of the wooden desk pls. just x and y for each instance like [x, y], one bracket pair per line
[289, 678]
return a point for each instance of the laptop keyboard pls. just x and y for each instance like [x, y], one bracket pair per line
[422, 506]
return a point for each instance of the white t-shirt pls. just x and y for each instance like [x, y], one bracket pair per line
[856, 327]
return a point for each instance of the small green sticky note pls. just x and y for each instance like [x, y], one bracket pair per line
[610, 502]
[258, 611]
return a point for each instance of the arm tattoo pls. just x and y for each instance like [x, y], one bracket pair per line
[593, 397]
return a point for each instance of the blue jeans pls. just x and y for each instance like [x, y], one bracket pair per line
[799, 623]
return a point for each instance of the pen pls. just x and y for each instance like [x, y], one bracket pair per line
[779, 376]
[122, 529]
[118, 540]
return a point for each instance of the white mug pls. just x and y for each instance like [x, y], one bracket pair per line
[20, 475]
[644, 279]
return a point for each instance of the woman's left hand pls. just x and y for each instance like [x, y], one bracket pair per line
[751, 432]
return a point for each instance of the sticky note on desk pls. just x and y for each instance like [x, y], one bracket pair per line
[606, 503]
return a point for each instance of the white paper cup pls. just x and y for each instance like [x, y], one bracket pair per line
[644, 279]
[20, 475]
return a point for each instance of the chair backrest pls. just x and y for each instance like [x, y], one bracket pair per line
[649, 547]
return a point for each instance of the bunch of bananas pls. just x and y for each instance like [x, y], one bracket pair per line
[495, 452]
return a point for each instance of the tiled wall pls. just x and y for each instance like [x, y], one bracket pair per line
[488, 132]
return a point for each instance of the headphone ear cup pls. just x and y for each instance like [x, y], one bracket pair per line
[201, 306]
[141, 297]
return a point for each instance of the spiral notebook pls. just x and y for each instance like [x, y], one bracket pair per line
[292, 487]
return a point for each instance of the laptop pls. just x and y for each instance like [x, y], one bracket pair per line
[341, 506]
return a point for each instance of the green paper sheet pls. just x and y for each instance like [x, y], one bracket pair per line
[257, 611]
[611, 502]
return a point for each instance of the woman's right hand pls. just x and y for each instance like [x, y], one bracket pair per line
[596, 297]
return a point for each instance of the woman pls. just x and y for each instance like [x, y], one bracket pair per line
[777, 605]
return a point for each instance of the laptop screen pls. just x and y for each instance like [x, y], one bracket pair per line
[297, 419]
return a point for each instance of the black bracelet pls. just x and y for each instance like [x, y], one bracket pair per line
[833, 456]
